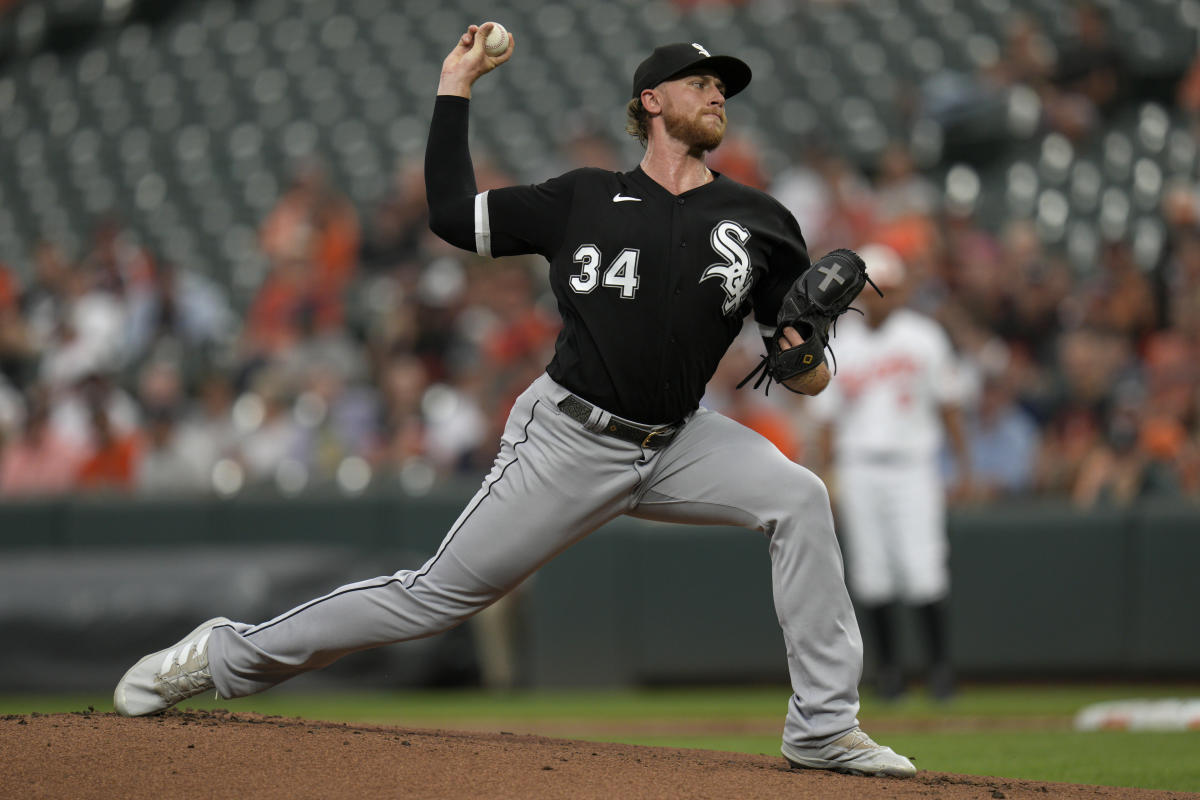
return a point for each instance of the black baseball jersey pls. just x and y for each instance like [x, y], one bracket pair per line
[652, 287]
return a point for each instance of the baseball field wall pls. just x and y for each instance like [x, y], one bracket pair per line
[1039, 591]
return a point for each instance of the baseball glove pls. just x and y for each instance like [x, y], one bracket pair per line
[812, 305]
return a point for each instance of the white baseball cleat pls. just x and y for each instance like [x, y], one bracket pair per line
[162, 679]
[853, 753]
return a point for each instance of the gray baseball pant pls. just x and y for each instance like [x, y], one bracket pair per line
[554, 482]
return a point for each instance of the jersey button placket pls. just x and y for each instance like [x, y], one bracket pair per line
[676, 270]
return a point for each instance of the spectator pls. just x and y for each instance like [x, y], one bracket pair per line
[399, 224]
[1181, 280]
[1188, 93]
[803, 189]
[270, 434]
[738, 157]
[115, 259]
[166, 468]
[88, 334]
[1120, 469]
[113, 461]
[402, 382]
[289, 305]
[335, 418]
[759, 412]
[44, 300]
[1028, 55]
[901, 192]
[1002, 439]
[72, 414]
[12, 411]
[1089, 63]
[17, 351]
[177, 310]
[314, 223]
[205, 433]
[1038, 289]
[39, 461]
[851, 210]
[1120, 297]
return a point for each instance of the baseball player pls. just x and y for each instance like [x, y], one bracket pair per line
[653, 270]
[897, 389]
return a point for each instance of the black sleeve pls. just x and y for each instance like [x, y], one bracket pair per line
[788, 261]
[530, 219]
[502, 222]
[449, 173]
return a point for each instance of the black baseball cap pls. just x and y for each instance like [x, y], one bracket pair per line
[670, 60]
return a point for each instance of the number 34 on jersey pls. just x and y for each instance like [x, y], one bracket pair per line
[728, 239]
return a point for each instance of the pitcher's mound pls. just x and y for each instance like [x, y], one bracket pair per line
[218, 754]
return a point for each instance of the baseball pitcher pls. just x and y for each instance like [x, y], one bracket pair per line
[653, 270]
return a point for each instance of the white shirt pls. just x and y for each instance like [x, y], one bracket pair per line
[886, 396]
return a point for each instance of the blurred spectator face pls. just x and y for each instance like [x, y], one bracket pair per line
[216, 395]
[405, 381]
[326, 382]
[1090, 25]
[1179, 205]
[995, 398]
[896, 164]
[1021, 243]
[510, 292]
[1029, 56]
[1122, 433]
[160, 385]
[1089, 360]
[50, 266]
[159, 429]
[37, 423]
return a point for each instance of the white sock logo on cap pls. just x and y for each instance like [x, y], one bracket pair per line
[700, 47]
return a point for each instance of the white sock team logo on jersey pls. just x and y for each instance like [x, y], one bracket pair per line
[729, 239]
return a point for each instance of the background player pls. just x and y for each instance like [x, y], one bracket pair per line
[654, 271]
[897, 389]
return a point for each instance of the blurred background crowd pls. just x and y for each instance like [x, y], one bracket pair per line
[216, 274]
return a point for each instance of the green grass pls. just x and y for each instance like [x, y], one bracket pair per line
[1018, 731]
[1166, 761]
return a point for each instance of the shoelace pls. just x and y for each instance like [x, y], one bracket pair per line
[174, 681]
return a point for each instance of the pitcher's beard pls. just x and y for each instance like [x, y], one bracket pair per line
[696, 132]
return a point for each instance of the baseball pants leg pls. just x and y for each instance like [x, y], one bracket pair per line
[552, 483]
[895, 532]
[718, 472]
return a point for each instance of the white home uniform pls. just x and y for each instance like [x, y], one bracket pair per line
[885, 409]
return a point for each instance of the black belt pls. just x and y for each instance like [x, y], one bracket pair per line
[644, 435]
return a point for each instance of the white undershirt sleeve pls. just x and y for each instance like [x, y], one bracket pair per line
[483, 226]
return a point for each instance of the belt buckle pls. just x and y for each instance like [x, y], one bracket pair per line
[651, 435]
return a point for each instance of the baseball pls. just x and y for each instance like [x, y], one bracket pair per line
[496, 43]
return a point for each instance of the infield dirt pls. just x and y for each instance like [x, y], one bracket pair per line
[190, 754]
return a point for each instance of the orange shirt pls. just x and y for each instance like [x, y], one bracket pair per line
[112, 467]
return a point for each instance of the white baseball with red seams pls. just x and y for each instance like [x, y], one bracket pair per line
[496, 43]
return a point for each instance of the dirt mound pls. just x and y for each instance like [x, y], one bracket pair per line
[220, 754]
